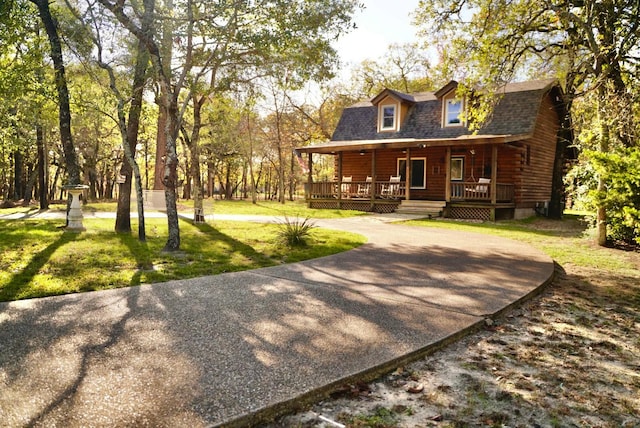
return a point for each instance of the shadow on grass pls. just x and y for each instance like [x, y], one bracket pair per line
[571, 226]
[236, 246]
[140, 252]
[22, 280]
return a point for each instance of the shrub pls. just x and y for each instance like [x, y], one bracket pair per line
[295, 232]
[622, 196]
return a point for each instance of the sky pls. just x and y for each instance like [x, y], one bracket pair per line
[381, 23]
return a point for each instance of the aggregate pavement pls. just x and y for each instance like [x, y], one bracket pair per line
[237, 349]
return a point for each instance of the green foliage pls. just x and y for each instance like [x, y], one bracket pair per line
[590, 46]
[579, 182]
[622, 196]
[295, 233]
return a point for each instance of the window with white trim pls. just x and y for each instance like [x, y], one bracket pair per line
[457, 168]
[418, 172]
[453, 112]
[388, 117]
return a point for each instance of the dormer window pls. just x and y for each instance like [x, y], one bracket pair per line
[452, 106]
[453, 112]
[388, 117]
[393, 107]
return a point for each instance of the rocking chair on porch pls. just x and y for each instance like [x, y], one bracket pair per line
[364, 190]
[345, 188]
[392, 189]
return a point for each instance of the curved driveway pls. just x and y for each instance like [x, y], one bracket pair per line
[233, 348]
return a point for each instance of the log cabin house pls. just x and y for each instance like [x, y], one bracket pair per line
[502, 171]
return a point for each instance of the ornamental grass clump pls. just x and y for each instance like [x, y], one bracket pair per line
[294, 233]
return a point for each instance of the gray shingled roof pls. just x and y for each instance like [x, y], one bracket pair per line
[515, 114]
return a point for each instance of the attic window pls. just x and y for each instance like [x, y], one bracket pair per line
[388, 117]
[453, 112]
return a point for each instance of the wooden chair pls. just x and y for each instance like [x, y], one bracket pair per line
[392, 189]
[345, 187]
[364, 190]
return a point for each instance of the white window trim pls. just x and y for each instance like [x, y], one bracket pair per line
[445, 112]
[424, 171]
[381, 126]
[461, 159]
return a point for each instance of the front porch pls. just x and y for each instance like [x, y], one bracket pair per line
[472, 178]
[368, 196]
[469, 199]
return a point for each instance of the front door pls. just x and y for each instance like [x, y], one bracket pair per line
[418, 172]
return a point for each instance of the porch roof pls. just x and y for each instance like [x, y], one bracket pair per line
[332, 147]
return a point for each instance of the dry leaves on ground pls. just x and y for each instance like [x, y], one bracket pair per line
[568, 358]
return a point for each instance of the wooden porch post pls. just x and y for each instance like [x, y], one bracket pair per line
[407, 175]
[447, 175]
[494, 172]
[494, 176]
[373, 177]
[309, 175]
[339, 179]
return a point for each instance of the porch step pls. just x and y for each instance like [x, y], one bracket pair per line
[426, 208]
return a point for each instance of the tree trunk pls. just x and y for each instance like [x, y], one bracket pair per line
[556, 205]
[170, 176]
[601, 212]
[161, 147]
[292, 178]
[42, 168]
[254, 191]
[18, 175]
[64, 110]
[166, 53]
[28, 189]
[123, 214]
[54, 183]
[169, 102]
[280, 171]
[193, 145]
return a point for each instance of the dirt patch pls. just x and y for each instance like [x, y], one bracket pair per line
[569, 358]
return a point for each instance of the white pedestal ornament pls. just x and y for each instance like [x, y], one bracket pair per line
[74, 216]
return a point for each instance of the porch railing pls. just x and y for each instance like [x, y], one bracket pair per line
[460, 191]
[357, 190]
[472, 191]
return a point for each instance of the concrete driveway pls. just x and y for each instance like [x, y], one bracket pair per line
[233, 349]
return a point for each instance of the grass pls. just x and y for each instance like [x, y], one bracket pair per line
[297, 208]
[38, 258]
[567, 241]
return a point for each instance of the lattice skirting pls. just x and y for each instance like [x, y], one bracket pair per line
[470, 213]
[366, 206]
[324, 205]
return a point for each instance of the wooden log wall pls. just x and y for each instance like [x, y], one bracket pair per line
[537, 157]
[359, 167]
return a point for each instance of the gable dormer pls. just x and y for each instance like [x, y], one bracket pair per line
[393, 107]
[452, 105]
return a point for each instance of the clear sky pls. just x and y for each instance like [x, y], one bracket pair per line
[381, 23]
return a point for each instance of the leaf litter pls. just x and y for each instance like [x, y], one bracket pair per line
[568, 358]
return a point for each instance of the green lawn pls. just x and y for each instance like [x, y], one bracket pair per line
[567, 241]
[297, 208]
[38, 258]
